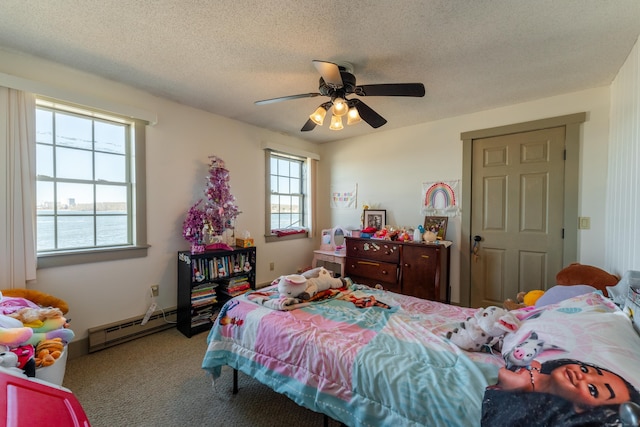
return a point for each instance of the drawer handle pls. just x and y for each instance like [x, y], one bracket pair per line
[368, 263]
[425, 256]
[384, 272]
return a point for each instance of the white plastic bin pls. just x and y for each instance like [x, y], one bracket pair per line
[54, 373]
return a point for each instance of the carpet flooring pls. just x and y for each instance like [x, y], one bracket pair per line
[157, 381]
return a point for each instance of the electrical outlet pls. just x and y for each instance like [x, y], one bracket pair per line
[155, 290]
[272, 266]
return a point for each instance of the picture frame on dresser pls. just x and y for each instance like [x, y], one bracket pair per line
[437, 224]
[375, 218]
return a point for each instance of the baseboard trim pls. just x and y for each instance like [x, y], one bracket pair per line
[102, 337]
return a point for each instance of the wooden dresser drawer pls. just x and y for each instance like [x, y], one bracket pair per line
[372, 249]
[383, 272]
[417, 269]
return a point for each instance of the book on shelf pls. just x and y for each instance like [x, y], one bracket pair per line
[202, 295]
[238, 279]
[204, 301]
[238, 290]
[203, 315]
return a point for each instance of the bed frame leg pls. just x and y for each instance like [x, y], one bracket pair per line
[235, 381]
[326, 420]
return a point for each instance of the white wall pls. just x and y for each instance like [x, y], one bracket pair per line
[623, 189]
[390, 167]
[177, 150]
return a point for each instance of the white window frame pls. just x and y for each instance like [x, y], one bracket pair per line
[306, 193]
[137, 181]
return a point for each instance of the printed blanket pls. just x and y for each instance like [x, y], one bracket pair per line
[362, 356]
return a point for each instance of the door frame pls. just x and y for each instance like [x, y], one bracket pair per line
[572, 124]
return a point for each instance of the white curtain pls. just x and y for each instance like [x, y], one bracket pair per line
[18, 257]
[313, 202]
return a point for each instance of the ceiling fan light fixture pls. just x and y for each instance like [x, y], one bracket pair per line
[340, 107]
[336, 123]
[318, 116]
[353, 116]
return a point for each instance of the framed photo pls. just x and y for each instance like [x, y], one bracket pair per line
[436, 224]
[375, 218]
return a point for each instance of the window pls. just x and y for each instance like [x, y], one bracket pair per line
[287, 188]
[89, 192]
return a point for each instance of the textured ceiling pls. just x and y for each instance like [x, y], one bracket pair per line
[221, 56]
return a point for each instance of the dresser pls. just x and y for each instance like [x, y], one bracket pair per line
[417, 269]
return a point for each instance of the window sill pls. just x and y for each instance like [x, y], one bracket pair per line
[59, 259]
[275, 238]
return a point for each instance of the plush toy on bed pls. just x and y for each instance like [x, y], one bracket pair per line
[484, 330]
[292, 286]
[582, 274]
[319, 280]
[306, 285]
[528, 349]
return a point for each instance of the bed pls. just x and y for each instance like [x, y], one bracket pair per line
[368, 357]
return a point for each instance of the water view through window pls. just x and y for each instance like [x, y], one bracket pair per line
[83, 184]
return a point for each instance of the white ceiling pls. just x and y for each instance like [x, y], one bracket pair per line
[223, 55]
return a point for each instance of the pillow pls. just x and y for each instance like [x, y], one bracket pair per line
[581, 274]
[560, 293]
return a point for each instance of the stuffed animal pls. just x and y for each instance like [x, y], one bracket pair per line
[12, 332]
[39, 298]
[9, 361]
[528, 349]
[306, 285]
[26, 359]
[48, 351]
[38, 317]
[523, 299]
[319, 280]
[44, 323]
[484, 330]
[582, 274]
[292, 286]
[64, 334]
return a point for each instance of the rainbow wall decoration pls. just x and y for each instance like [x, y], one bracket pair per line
[439, 198]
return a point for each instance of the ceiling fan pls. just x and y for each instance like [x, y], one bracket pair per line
[337, 82]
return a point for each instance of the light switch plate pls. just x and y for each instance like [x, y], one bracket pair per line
[584, 223]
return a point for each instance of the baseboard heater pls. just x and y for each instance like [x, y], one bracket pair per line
[116, 333]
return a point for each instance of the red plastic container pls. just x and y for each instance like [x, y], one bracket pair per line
[26, 402]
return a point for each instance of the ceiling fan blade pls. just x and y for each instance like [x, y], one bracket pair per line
[391, 89]
[330, 73]
[310, 125]
[286, 98]
[374, 119]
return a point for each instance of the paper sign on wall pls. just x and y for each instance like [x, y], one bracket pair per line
[344, 197]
